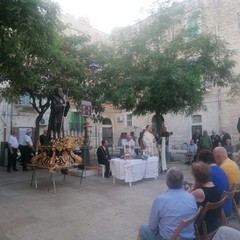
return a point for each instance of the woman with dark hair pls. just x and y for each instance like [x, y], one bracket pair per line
[205, 191]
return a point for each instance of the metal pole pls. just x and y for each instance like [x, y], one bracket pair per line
[163, 155]
[85, 147]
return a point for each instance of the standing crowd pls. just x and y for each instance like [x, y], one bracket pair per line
[204, 141]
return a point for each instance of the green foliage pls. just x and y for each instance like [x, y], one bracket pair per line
[162, 65]
[35, 55]
[27, 31]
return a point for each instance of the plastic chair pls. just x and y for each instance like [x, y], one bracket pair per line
[228, 196]
[184, 223]
[103, 168]
[201, 223]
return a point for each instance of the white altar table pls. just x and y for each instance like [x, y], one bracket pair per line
[134, 170]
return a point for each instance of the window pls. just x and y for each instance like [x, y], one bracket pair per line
[129, 120]
[106, 121]
[193, 26]
[76, 122]
[25, 100]
[196, 119]
[107, 131]
[196, 123]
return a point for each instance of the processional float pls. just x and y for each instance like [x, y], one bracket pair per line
[58, 151]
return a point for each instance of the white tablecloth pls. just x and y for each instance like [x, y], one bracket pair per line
[135, 169]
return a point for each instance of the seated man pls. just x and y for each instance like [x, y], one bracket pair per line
[191, 152]
[104, 156]
[229, 148]
[229, 167]
[169, 209]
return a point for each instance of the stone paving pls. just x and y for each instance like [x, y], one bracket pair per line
[96, 209]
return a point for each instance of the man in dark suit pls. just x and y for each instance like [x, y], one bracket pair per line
[216, 139]
[104, 156]
[197, 136]
[43, 137]
[225, 136]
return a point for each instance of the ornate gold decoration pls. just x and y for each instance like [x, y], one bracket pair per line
[58, 153]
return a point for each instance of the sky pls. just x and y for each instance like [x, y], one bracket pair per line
[105, 15]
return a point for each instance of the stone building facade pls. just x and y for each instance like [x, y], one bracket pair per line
[221, 17]
[21, 116]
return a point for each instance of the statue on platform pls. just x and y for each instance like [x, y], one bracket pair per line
[58, 151]
[59, 109]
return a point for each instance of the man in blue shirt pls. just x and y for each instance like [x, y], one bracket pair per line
[218, 177]
[191, 152]
[169, 209]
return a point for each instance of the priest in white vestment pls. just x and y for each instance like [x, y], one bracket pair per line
[149, 142]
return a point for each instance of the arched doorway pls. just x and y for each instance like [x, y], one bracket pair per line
[107, 132]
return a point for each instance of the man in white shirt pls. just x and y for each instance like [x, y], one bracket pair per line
[26, 149]
[12, 152]
[129, 146]
[191, 152]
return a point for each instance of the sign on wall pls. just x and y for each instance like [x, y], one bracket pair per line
[86, 108]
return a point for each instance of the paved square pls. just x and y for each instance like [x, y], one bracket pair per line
[97, 209]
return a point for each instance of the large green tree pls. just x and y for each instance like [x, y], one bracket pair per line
[163, 64]
[35, 55]
[66, 67]
[27, 32]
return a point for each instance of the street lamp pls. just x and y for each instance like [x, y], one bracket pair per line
[93, 67]
[86, 109]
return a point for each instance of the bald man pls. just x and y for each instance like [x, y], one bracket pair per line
[227, 165]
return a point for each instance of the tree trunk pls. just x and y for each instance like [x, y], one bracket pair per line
[36, 132]
[159, 122]
[41, 109]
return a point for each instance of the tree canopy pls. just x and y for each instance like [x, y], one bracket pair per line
[160, 65]
[35, 55]
[163, 64]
